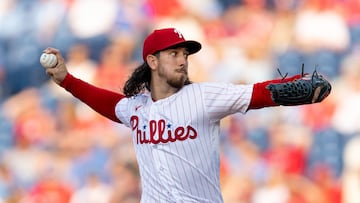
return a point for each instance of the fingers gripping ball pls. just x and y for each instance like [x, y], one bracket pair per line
[48, 60]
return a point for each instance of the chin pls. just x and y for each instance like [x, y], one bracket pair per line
[177, 84]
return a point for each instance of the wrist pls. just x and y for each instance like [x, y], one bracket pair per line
[65, 83]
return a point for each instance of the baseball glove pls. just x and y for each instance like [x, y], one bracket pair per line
[306, 90]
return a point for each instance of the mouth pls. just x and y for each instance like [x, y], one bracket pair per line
[182, 70]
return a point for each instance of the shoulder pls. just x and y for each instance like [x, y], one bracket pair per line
[204, 85]
[212, 88]
[134, 100]
[225, 90]
[129, 105]
[219, 86]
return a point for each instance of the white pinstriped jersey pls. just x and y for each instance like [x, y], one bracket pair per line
[176, 139]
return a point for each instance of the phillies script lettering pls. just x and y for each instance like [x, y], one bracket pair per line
[159, 132]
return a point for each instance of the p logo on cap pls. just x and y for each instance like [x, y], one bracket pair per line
[162, 39]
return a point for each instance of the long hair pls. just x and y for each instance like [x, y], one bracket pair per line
[138, 81]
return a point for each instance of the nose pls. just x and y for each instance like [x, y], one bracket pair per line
[183, 59]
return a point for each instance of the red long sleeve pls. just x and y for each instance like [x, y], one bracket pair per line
[261, 97]
[101, 100]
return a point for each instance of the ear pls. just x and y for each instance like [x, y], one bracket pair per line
[152, 61]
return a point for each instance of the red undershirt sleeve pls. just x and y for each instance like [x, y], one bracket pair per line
[261, 97]
[101, 100]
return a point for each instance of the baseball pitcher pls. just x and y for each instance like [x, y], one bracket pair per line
[176, 123]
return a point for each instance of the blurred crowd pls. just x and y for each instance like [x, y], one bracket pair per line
[54, 149]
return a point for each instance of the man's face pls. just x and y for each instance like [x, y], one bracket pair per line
[173, 66]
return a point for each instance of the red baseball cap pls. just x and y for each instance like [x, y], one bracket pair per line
[162, 39]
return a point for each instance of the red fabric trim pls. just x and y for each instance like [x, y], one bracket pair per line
[261, 97]
[101, 100]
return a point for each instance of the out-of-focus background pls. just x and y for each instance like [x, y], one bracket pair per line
[54, 149]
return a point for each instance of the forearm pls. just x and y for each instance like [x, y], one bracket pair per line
[100, 100]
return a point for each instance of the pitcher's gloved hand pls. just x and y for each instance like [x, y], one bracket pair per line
[306, 90]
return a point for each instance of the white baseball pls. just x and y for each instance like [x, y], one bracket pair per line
[48, 60]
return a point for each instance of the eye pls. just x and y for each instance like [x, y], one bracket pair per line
[173, 53]
[186, 54]
[176, 53]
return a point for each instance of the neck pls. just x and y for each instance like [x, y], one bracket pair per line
[162, 91]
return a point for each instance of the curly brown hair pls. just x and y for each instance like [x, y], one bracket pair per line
[138, 81]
